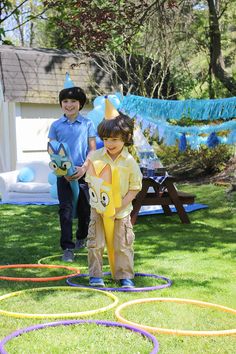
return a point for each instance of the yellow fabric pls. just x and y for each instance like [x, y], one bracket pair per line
[116, 187]
[122, 246]
[127, 175]
[109, 226]
[104, 190]
[99, 166]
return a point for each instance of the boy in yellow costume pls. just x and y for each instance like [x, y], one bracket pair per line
[114, 179]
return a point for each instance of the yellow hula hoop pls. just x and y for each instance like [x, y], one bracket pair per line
[58, 315]
[176, 331]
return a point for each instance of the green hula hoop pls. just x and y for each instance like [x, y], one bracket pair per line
[41, 260]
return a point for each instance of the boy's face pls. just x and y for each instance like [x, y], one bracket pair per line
[70, 107]
[113, 145]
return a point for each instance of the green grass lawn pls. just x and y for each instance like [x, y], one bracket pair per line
[200, 258]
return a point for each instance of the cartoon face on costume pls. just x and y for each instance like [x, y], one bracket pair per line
[101, 197]
[60, 161]
[104, 195]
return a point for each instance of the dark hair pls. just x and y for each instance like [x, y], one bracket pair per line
[75, 93]
[121, 126]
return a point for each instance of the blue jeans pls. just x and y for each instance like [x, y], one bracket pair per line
[66, 212]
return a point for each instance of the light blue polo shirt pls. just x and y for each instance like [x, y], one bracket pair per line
[75, 134]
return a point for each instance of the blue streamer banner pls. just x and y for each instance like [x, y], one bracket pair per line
[192, 135]
[154, 113]
[197, 109]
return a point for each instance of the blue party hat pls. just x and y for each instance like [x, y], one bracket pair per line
[68, 82]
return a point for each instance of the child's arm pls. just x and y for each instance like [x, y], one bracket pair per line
[92, 148]
[80, 171]
[128, 198]
[83, 169]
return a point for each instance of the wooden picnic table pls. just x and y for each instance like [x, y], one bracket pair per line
[157, 191]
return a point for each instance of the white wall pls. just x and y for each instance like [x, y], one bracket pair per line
[7, 135]
[24, 132]
[32, 124]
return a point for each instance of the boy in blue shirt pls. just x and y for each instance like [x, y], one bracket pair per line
[79, 134]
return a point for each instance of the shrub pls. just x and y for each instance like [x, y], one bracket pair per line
[194, 163]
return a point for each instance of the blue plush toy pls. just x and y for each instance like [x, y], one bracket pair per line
[62, 165]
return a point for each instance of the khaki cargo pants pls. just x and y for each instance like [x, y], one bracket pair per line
[123, 247]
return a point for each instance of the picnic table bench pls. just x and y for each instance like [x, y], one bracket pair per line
[160, 190]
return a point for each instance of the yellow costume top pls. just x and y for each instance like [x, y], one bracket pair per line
[129, 175]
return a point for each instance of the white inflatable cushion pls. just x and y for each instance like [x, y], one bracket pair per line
[30, 187]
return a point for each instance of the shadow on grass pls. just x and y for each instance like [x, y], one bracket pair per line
[28, 233]
[161, 234]
[31, 232]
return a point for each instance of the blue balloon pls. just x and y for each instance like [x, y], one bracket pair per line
[99, 100]
[114, 100]
[96, 115]
[119, 95]
[52, 179]
[99, 111]
[53, 191]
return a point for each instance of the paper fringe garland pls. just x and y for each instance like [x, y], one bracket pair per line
[198, 109]
[154, 113]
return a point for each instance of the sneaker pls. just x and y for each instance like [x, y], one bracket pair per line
[127, 283]
[80, 243]
[68, 255]
[93, 281]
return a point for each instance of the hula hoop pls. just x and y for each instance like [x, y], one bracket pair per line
[73, 322]
[76, 254]
[150, 288]
[38, 266]
[52, 257]
[58, 255]
[176, 331]
[57, 315]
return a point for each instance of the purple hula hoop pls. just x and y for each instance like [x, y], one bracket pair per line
[149, 288]
[71, 322]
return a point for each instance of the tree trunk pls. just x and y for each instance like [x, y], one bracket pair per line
[216, 58]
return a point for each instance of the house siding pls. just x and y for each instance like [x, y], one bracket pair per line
[30, 80]
[37, 75]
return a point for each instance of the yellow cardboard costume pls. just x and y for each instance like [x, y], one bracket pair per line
[104, 191]
[105, 197]
[109, 181]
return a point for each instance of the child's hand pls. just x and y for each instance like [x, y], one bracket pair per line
[118, 210]
[80, 171]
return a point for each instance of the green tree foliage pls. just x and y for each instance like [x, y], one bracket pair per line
[18, 19]
[97, 25]
[190, 43]
[193, 164]
[212, 36]
[154, 48]
[177, 36]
